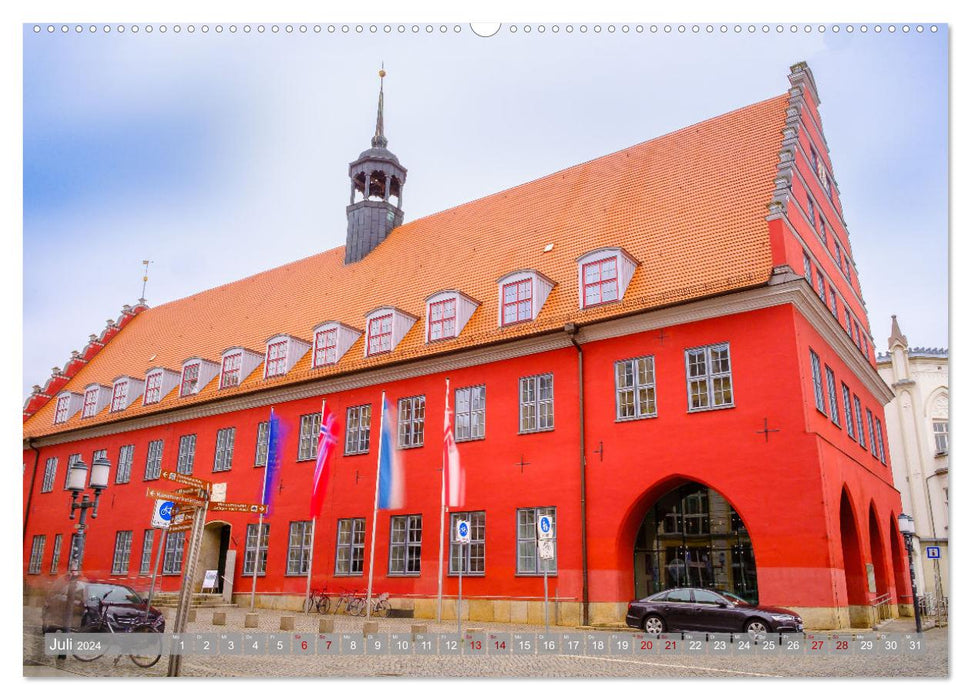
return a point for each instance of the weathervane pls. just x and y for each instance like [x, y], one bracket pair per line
[146, 263]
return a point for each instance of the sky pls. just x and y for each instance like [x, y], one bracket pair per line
[219, 155]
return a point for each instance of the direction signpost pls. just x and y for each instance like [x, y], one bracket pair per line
[463, 535]
[258, 508]
[174, 497]
[544, 542]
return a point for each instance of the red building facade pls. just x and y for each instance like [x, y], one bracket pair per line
[656, 347]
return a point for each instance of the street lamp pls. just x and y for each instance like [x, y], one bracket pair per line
[77, 475]
[906, 525]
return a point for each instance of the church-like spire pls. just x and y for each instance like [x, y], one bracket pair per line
[379, 141]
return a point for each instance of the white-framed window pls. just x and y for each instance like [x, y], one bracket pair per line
[50, 473]
[62, 409]
[122, 554]
[257, 544]
[869, 425]
[834, 411]
[174, 553]
[817, 382]
[807, 269]
[822, 231]
[126, 455]
[881, 454]
[404, 550]
[832, 300]
[36, 554]
[190, 379]
[119, 395]
[276, 359]
[848, 412]
[470, 557]
[470, 413]
[709, 373]
[70, 461]
[839, 256]
[941, 436]
[153, 460]
[148, 541]
[325, 347]
[187, 454]
[411, 422]
[153, 388]
[858, 412]
[820, 285]
[232, 370]
[298, 548]
[635, 388]
[812, 213]
[349, 555]
[600, 283]
[517, 301]
[379, 334]
[357, 438]
[225, 440]
[528, 561]
[536, 403]
[56, 554]
[309, 434]
[441, 319]
[90, 407]
[262, 444]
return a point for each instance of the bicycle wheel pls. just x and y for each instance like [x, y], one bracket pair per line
[90, 651]
[381, 608]
[149, 654]
[323, 605]
[354, 606]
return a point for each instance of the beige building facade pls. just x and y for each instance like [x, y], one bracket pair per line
[918, 432]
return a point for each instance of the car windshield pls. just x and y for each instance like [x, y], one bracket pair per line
[115, 593]
[732, 598]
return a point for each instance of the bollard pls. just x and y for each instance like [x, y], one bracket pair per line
[252, 620]
[192, 615]
[473, 630]
[219, 618]
[421, 628]
[370, 628]
[287, 622]
[326, 626]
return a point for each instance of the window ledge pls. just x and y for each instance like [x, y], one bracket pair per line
[465, 575]
[551, 574]
[538, 430]
[410, 447]
[470, 439]
[356, 454]
[418, 575]
[711, 408]
[635, 418]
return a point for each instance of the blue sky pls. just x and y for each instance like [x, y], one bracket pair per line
[220, 155]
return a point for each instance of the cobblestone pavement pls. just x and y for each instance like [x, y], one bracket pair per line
[933, 662]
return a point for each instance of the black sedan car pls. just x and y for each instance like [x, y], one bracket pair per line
[125, 607]
[706, 610]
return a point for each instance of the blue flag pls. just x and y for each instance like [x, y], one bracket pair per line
[390, 481]
[274, 440]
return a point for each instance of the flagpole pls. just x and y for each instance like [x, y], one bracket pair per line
[441, 520]
[259, 527]
[313, 528]
[374, 517]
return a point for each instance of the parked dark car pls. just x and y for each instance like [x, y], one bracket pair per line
[708, 610]
[125, 607]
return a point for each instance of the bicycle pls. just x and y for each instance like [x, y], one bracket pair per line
[320, 601]
[102, 624]
[379, 606]
[352, 603]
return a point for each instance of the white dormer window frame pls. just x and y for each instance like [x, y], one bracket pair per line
[119, 394]
[153, 387]
[379, 332]
[603, 276]
[232, 370]
[521, 296]
[325, 345]
[61, 412]
[189, 383]
[90, 406]
[276, 358]
[442, 318]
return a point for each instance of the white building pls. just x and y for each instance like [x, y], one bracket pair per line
[918, 433]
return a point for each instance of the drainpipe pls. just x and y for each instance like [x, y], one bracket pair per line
[571, 330]
[33, 479]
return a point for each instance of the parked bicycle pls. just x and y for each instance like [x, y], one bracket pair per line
[379, 606]
[319, 601]
[351, 603]
[105, 622]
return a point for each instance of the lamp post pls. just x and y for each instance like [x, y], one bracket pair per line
[906, 525]
[77, 477]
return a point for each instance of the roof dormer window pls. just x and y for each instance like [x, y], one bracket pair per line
[153, 388]
[446, 314]
[119, 395]
[325, 347]
[521, 296]
[276, 359]
[190, 379]
[379, 334]
[441, 319]
[90, 403]
[604, 276]
[232, 366]
[61, 413]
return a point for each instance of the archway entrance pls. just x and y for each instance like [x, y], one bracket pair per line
[693, 537]
[881, 590]
[856, 578]
[212, 554]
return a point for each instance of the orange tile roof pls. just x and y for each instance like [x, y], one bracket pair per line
[690, 206]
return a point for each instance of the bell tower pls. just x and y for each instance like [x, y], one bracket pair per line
[377, 181]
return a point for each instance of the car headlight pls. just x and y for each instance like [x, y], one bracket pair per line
[782, 618]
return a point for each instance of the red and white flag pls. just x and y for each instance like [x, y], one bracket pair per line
[454, 475]
[326, 442]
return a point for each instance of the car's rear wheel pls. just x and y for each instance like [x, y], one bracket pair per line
[653, 624]
[756, 629]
